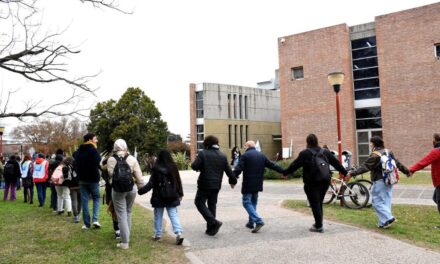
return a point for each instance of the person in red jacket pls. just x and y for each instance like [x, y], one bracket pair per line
[433, 159]
[40, 174]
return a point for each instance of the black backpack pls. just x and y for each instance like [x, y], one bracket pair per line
[167, 188]
[8, 170]
[322, 167]
[122, 179]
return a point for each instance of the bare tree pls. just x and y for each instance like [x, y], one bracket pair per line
[39, 57]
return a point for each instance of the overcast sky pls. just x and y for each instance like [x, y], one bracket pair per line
[167, 44]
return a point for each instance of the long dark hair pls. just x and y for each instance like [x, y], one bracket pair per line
[312, 141]
[164, 159]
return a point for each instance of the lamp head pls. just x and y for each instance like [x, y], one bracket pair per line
[336, 79]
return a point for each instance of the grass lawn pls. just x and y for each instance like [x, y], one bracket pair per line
[415, 222]
[30, 234]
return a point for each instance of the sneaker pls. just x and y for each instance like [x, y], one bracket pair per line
[84, 227]
[257, 227]
[69, 214]
[117, 234]
[389, 223]
[157, 238]
[215, 228]
[249, 225]
[122, 245]
[96, 224]
[315, 229]
[76, 219]
[60, 212]
[179, 239]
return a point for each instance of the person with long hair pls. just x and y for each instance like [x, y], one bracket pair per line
[26, 176]
[165, 172]
[381, 192]
[315, 187]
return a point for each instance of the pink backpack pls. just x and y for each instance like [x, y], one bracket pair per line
[57, 176]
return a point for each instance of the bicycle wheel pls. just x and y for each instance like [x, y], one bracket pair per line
[329, 195]
[355, 196]
[369, 186]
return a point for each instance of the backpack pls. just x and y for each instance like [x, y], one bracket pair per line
[8, 170]
[320, 162]
[167, 188]
[72, 176]
[122, 179]
[57, 175]
[389, 167]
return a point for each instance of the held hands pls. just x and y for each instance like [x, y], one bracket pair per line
[347, 177]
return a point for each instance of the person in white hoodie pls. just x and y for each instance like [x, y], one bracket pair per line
[123, 190]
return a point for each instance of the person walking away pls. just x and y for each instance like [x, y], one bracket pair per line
[122, 167]
[381, 191]
[27, 181]
[75, 196]
[433, 159]
[40, 174]
[167, 194]
[60, 179]
[211, 163]
[87, 161]
[235, 156]
[18, 159]
[11, 173]
[316, 180]
[252, 163]
[108, 197]
[53, 164]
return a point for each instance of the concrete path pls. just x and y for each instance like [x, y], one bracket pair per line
[285, 237]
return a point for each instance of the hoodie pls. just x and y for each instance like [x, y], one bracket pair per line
[87, 161]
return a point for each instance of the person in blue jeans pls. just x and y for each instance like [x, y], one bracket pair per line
[381, 192]
[252, 164]
[165, 169]
[87, 160]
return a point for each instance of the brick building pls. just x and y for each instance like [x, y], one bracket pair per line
[391, 87]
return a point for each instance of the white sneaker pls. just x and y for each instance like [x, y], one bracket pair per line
[96, 225]
[122, 245]
[84, 227]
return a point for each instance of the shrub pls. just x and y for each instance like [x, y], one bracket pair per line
[271, 174]
[181, 160]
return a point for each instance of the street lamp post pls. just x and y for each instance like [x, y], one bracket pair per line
[2, 129]
[336, 79]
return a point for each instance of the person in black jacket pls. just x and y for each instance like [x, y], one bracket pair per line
[165, 169]
[211, 163]
[87, 161]
[11, 173]
[252, 163]
[314, 187]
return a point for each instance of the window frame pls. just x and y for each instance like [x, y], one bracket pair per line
[293, 69]
[437, 50]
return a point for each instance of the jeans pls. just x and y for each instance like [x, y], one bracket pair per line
[315, 195]
[10, 186]
[87, 189]
[174, 218]
[204, 196]
[54, 198]
[381, 200]
[436, 197]
[41, 192]
[250, 201]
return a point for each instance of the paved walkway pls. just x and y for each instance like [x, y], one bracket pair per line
[285, 237]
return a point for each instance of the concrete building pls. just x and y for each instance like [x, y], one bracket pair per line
[235, 114]
[391, 87]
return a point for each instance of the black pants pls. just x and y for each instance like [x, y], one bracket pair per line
[28, 193]
[204, 196]
[315, 194]
[436, 197]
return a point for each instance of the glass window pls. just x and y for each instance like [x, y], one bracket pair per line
[366, 94]
[368, 83]
[371, 112]
[366, 73]
[247, 135]
[363, 43]
[377, 133]
[369, 123]
[235, 135]
[199, 104]
[364, 63]
[239, 106]
[245, 107]
[199, 146]
[200, 137]
[230, 136]
[363, 53]
[297, 73]
[364, 149]
[241, 136]
[235, 106]
[199, 128]
[437, 50]
[229, 105]
[362, 137]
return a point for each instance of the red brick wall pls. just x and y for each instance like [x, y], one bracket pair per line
[409, 79]
[192, 117]
[308, 105]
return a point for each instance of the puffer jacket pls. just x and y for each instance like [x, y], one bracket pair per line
[157, 176]
[212, 163]
[374, 165]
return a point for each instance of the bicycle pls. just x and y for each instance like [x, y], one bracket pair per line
[365, 182]
[354, 194]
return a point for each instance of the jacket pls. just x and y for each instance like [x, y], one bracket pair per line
[252, 163]
[16, 172]
[212, 163]
[433, 159]
[374, 165]
[157, 175]
[132, 163]
[40, 170]
[305, 160]
[87, 161]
